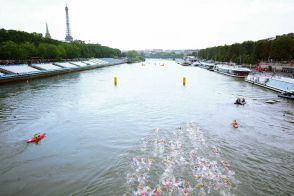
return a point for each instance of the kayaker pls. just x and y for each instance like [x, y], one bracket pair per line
[235, 124]
[36, 136]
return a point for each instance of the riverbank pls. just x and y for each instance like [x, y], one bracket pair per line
[13, 73]
[273, 76]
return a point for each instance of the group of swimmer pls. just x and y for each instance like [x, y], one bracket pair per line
[205, 175]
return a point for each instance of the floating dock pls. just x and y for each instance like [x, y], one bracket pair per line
[11, 73]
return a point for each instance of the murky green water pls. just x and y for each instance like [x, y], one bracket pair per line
[147, 132]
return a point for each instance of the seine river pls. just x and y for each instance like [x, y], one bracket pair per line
[148, 135]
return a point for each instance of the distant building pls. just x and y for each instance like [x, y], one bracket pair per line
[47, 35]
[80, 41]
[68, 36]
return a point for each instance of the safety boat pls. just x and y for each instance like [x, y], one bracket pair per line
[240, 101]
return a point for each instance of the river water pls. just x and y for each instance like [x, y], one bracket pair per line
[147, 134]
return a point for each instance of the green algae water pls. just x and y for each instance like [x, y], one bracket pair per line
[148, 135]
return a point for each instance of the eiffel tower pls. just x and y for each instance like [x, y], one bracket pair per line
[47, 35]
[68, 36]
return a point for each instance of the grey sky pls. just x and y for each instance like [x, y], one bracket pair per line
[146, 24]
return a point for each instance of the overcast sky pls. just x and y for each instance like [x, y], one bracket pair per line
[153, 24]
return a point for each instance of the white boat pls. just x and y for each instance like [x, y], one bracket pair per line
[196, 64]
[183, 62]
[205, 65]
[275, 83]
[235, 71]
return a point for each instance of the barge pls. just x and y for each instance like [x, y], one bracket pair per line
[276, 83]
[235, 71]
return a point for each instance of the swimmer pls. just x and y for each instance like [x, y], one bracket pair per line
[143, 193]
[216, 151]
[226, 165]
[148, 191]
[181, 184]
[167, 185]
[185, 192]
[157, 191]
[149, 164]
[143, 161]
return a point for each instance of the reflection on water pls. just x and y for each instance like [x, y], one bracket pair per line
[136, 137]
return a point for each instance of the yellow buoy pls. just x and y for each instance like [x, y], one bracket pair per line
[184, 81]
[115, 81]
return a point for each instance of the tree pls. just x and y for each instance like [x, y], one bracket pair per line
[48, 51]
[134, 56]
[9, 50]
[71, 51]
[283, 48]
[22, 45]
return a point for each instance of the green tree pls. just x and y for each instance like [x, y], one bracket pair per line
[282, 48]
[134, 56]
[9, 50]
[22, 45]
[48, 51]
